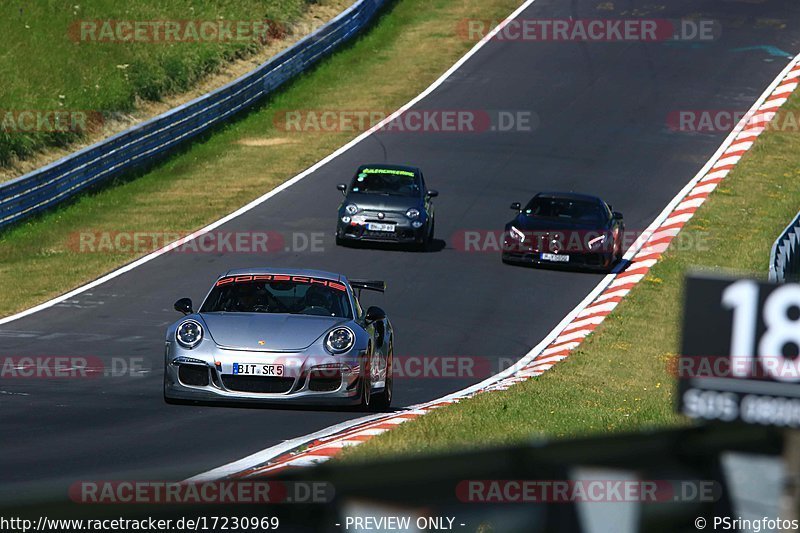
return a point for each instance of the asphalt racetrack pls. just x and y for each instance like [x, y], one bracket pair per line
[602, 126]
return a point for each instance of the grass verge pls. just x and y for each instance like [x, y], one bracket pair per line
[58, 67]
[619, 378]
[40, 258]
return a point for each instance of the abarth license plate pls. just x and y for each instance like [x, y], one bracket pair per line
[387, 228]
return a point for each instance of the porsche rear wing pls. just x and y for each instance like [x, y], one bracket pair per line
[370, 285]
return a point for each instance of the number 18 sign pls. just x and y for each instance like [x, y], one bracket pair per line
[739, 356]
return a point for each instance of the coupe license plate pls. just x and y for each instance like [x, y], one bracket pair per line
[556, 258]
[388, 228]
[250, 369]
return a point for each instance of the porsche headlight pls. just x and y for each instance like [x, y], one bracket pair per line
[189, 334]
[339, 340]
[412, 213]
[351, 209]
[597, 242]
[516, 234]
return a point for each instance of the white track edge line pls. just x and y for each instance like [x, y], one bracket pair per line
[265, 455]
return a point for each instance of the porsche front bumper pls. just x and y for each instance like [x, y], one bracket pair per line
[305, 379]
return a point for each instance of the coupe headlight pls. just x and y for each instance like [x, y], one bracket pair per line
[189, 334]
[351, 209]
[516, 234]
[596, 242]
[339, 340]
[412, 213]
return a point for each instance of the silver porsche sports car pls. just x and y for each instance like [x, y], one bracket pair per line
[281, 336]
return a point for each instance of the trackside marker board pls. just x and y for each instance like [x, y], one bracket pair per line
[739, 353]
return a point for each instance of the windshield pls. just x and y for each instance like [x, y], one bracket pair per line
[566, 209]
[386, 181]
[296, 295]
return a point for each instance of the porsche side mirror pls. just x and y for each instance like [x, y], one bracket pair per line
[343, 188]
[184, 305]
[432, 194]
[617, 215]
[516, 206]
[375, 314]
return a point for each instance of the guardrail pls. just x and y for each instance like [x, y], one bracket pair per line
[153, 139]
[784, 260]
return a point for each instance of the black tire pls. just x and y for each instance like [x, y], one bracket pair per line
[366, 383]
[383, 400]
[616, 258]
[427, 240]
[173, 401]
[164, 389]
[168, 400]
[620, 251]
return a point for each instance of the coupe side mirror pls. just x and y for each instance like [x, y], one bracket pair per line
[617, 215]
[516, 206]
[343, 188]
[184, 305]
[375, 314]
[432, 194]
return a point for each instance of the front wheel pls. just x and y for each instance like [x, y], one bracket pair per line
[366, 382]
[167, 399]
[616, 257]
[383, 400]
[427, 240]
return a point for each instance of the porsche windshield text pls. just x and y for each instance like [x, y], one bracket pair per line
[297, 295]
